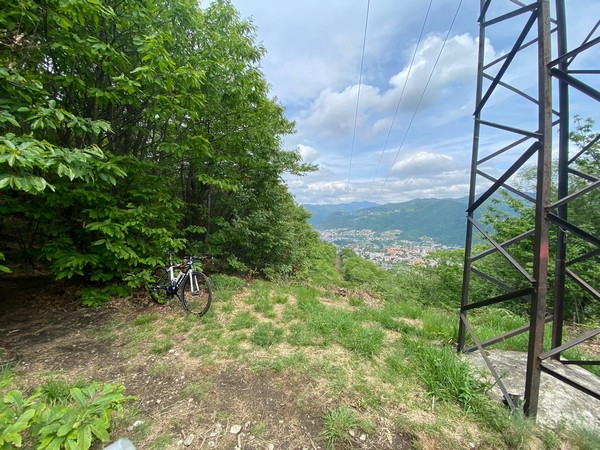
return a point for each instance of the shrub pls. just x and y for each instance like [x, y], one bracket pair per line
[75, 421]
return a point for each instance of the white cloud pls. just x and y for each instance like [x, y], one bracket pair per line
[308, 153]
[312, 63]
[333, 113]
[457, 64]
[424, 163]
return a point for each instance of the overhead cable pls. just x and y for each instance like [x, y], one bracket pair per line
[410, 66]
[362, 60]
[420, 100]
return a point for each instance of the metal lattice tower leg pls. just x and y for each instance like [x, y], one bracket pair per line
[519, 144]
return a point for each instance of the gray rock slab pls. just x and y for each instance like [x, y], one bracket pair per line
[559, 404]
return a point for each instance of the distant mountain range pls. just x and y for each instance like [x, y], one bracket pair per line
[443, 220]
[322, 212]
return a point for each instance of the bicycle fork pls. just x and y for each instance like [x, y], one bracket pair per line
[195, 287]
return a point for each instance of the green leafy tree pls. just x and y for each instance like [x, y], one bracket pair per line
[129, 128]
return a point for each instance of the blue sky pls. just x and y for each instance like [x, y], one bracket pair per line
[408, 141]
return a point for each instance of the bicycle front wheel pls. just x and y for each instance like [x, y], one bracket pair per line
[196, 293]
[158, 287]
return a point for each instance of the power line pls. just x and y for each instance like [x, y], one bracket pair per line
[410, 66]
[362, 60]
[420, 100]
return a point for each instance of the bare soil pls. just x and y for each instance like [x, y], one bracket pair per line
[44, 331]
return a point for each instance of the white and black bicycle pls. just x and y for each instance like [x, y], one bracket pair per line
[183, 280]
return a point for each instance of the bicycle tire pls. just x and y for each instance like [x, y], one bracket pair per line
[196, 301]
[157, 288]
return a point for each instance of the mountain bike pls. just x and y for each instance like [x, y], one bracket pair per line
[191, 286]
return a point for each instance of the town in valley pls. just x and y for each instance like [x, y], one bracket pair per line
[386, 248]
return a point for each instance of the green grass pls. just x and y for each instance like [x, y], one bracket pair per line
[339, 422]
[385, 362]
[242, 321]
[160, 370]
[297, 360]
[57, 389]
[584, 438]
[257, 429]
[145, 319]
[446, 376]
[162, 346]
[6, 374]
[265, 335]
[199, 350]
[198, 390]
[162, 442]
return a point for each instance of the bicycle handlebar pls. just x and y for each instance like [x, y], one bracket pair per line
[186, 259]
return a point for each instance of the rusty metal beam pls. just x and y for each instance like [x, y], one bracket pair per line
[571, 344]
[503, 252]
[571, 382]
[499, 299]
[511, 55]
[541, 244]
[506, 175]
[505, 244]
[489, 364]
[574, 229]
[504, 336]
[577, 84]
[547, 212]
[509, 188]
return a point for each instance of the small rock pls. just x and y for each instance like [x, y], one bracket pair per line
[172, 350]
[351, 433]
[471, 445]
[235, 429]
[363, 437]
[188, 440]
[271, 447]
[211, 444]
[138, 423]
[158, 401]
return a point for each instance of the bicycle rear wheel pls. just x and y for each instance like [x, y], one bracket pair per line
[158, 288]
[196, 293]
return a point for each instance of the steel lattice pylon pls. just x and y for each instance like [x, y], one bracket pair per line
[502, 82]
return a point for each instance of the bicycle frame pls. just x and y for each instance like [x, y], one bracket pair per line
[192, 287]
[177, 281]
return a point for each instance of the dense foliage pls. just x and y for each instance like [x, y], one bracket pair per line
[128, 128]
[57, 415]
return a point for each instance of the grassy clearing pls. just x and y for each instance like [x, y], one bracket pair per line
[378, 360]
[386, 361]
[372, 359]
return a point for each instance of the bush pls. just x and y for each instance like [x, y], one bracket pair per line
[75, 420]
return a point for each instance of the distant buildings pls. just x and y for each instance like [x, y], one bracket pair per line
[385, 249]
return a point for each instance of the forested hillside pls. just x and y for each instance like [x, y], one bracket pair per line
[443, 220]
[130, 128]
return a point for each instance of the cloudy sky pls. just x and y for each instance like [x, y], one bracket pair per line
[411, 134]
